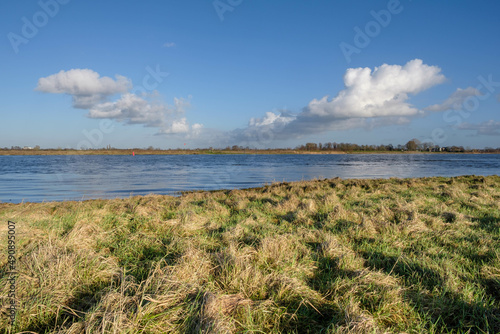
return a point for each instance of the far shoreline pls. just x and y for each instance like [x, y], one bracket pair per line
[32, 152]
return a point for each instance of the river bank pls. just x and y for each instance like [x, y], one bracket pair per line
[208, 152]
[338, 256]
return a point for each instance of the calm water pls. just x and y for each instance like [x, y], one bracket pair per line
[57, 178]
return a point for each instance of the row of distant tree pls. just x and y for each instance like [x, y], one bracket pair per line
[412, 145]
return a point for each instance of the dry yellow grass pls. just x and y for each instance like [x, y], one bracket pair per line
[331, 256]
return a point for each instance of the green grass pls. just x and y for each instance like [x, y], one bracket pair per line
[324, 256]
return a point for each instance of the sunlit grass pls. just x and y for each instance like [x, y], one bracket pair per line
[329, 256]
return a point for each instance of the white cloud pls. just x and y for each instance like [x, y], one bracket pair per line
[371, 98]
[456, 99]
[91, 91]
[261, 131]
[197, 126]
[83, 82]
[85, 86]
[271, 119]
[181, 104]
[381, 92]
[176, 127]
[169, 45]
[131, 109]
[488, 128]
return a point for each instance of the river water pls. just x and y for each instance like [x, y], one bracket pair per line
[79, 177]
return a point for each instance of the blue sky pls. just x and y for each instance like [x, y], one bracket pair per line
[254, 73]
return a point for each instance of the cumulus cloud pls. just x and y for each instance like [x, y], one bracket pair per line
[262, 130]
[489, 128]
[85, 86]
[83, 82]
[131, 109]
[271, 118]
[177, 126]
[456, 100]
[383, 91]
[371, 98]
[92, 92]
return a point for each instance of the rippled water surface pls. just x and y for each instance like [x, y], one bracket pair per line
[49, 178]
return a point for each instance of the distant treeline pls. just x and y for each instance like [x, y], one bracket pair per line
[413, 145]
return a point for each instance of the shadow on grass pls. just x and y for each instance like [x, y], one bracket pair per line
[413, 273]
[140, 267]
[290, 216]
[47, 325]
[73, 311]
[140, 260]
[489, 223]
[492, 287]
[326, 273]
[341, 225]
[441, 309]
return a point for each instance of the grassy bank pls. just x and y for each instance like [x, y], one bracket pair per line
[331, 256]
